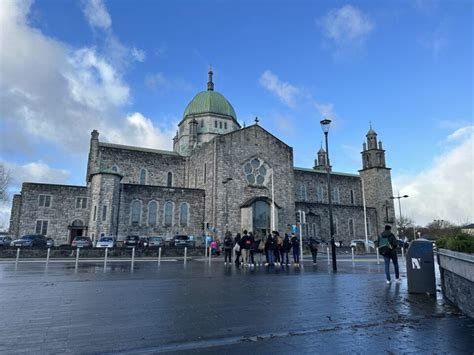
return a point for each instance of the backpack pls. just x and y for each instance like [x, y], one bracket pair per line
[314, 245]
[248, 242]
[228, 242]
[384, 246]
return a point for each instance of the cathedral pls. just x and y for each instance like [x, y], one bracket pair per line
[220, 176]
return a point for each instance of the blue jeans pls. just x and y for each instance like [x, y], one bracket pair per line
[394, 258]
[271, 257]
[296, 255]
[285, 257]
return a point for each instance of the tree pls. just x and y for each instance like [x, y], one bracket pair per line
[4, 182]
[440, 228]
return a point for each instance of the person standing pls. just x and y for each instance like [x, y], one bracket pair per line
[278, 246]
[387, 244]
[286, 250]
[270, 246]
[228, 245]
[313, 247]
[251, 250]
[237, 249]
[245, 244]
[295, 244]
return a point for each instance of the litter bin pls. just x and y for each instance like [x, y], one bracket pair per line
[420, 267]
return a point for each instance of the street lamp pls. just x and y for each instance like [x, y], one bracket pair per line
[226, 203]
[399, 207]
[325, 127]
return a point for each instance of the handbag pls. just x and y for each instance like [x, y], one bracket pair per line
[261, 245]
[237, 247]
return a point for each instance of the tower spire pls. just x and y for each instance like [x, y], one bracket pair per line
[210, 84]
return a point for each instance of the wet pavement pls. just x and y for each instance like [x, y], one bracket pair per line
[212, 308]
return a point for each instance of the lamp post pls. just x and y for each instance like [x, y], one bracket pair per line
[325, 127]
[226, 202]
[399, 208]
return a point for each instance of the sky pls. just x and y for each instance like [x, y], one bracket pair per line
[129, 68]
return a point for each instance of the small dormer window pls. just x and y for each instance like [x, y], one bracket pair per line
[220, 124]
[225, 125]
[202, 123]
[215, 124]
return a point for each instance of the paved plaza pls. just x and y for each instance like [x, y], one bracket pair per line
[212, 308]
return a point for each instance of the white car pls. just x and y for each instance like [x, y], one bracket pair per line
[105, 242]
[356, 242]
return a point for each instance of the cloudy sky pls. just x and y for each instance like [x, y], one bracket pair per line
[129, 68]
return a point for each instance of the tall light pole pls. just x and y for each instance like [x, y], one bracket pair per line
[399, 208]
[225, 182]
[325, 126]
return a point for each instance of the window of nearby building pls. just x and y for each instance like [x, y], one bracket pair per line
[135, 211]
[335, 225]
[352, 197]
[215, 124]
[143, 177]
[44, 201]
[41, 227]
[115, 168]
[195, 177]
[168, 220]
[303, 195]
[256, 171]
[81, 202]
[169, 179]
[351, 227]
[95, 213]
[183, 214]
[205, 172]
[225, 125]
[319, 193]
[335, 195]
[152, 213]
[368, 225]
[202, 123]
[220, 124]
[104, 213]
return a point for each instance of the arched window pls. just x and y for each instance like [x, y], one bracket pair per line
[152, 213]
[183, 214]
[143, 177]
[168, 219]
[169, 179]
[135, 212]
[352, 197]
[115, 168]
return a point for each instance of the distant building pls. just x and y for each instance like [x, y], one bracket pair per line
[468, 229]
[219, 176]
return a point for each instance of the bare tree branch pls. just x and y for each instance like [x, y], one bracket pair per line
[4, 182]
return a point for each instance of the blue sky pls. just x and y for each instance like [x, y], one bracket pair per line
[129, 68]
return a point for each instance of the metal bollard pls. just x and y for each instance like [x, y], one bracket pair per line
[210, 255]
[77, 259]
[352, 250]
[185, 254]
[159, 256]
[378, 256]
[133, 259]
[47, 256]
[105, 258]
[329, 261]
[17, 256]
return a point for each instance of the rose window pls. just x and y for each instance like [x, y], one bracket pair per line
[255, 171]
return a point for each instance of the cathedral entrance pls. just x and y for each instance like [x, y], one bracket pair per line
[76, 229]
[261, 217]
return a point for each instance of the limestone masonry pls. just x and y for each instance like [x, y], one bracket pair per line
[218, 177]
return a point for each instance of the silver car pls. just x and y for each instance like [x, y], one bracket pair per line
[156, 242]
[5, 241]
[105, 242]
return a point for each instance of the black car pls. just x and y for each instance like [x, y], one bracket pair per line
[132, 241]
[30, 240]
[183, 241]
[5, 241]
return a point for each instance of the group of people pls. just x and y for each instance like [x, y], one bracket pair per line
[250, 250]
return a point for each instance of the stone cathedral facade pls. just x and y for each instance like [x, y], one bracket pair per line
[220, 176]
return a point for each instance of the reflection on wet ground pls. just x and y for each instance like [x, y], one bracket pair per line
[213, 308]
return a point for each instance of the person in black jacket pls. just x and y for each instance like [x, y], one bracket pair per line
[313, 247]
[271, 246]
[286, 250]
[390, 253]
[245, 244]
[237, 253]
[228, 245]
[295, 244]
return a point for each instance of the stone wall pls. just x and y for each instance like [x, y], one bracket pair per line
[61, 213]
[129, 162]
[15, 216]
[145, 194]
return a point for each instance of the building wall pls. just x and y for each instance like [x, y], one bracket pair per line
[61, 213]
[145, 194]
[131, 161]
[15, 216]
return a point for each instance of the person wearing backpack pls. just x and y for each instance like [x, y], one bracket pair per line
[313, 247]
[228, 245]
[387, 245]
[295, 244]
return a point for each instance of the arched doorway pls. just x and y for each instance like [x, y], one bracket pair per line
[77, 229]
[261, 216]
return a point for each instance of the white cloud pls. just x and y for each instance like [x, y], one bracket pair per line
[446, 189]
[346, 26]
[286, 92]
[326, 110]
[158, 81]
[96, 14]
[138, 54]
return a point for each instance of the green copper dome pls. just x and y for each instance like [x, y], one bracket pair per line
[210, 102]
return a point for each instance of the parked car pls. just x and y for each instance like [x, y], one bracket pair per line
[82, 242]
[183, 241]
[50, 242]
[169, 241]
[156, 242]
[5, 241]
[361, 243]
[30, 240]
[105, 242]
[131, 241]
